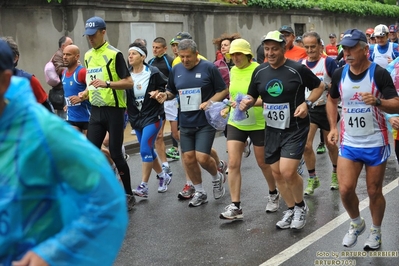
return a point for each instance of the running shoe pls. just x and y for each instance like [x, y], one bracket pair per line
[299, 170]
[313, 183]
[198, 199]
[373, 241]
[299, 218]
[133, 132]
[273, 202]
[227, 171]
[218, 188]
[247, 148]
[127, 157]
[163, 183]
[130, 202]
[334, 182]
[166, 170]
[321, 148]
[187, 192]
[173, 153]
[355, 230]
[141, 191]
[232, 213]
[285, 222]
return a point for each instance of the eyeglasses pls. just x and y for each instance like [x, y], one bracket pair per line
[331, 37]
[287, 34]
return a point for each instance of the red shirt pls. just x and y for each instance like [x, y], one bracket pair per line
[38, 90]
[331, 50]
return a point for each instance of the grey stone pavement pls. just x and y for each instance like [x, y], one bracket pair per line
[165, 231]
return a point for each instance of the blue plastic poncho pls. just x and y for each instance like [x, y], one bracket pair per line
[58, 195]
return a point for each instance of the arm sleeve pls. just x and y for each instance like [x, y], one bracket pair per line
[121, 68]
[336, 78]
[252, 88]
[171, 82]
[40, 93]
[82, 75]
[92, 201]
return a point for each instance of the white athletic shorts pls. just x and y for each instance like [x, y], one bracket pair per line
[171, 110]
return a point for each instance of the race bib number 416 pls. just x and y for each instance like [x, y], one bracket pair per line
[358, 121]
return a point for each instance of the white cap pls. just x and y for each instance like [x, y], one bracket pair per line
[322, 42]
[381, 30]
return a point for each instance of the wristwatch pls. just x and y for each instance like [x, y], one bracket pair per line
[377, 102]
[308, 103]
[108, 83]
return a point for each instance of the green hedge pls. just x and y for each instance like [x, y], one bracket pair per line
[353, 7]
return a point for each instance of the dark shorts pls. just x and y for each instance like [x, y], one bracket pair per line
[318, 116]
[80, 125]
[257, 136]
[197, 138]
[286, 144]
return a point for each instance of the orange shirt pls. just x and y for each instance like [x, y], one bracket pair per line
[296, 53]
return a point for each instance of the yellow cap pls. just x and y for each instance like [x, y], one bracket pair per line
[273, 36]
[240, 46]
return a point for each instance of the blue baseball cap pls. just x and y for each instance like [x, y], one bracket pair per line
[6, 56]
[93, 25]
[352, 37]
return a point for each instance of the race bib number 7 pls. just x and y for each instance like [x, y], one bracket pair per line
[190, 99]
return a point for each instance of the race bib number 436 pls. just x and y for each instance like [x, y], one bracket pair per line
[277, 115]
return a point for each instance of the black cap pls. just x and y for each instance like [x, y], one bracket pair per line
[286, 28]
[6, 56]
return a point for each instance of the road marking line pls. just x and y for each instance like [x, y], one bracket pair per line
[322, 231]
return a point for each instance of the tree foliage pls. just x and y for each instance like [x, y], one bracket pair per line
[354, 7]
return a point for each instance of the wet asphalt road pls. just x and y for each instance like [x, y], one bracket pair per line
[165, 231]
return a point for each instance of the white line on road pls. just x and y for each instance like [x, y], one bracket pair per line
[321, 232]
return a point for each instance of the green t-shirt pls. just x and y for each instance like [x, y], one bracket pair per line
[239, 82]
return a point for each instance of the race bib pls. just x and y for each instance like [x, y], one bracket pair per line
[68, 102]
[190, 99]
[250, 120]
[92, 74]
[358, 121]
[277, 115]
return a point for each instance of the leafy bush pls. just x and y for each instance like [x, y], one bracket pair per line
[353, 7]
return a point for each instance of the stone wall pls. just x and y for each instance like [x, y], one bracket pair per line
[37, 25]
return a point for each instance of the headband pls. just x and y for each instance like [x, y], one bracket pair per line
[137, 49]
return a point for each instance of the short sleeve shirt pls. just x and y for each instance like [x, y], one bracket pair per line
[284, 85]
[194, 86]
